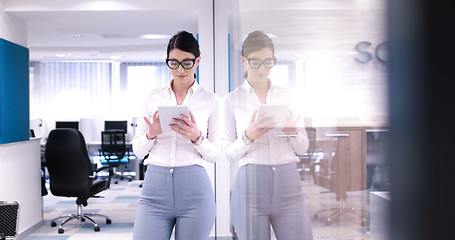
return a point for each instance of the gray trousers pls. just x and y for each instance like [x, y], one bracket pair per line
[265, 195]
[180, 197]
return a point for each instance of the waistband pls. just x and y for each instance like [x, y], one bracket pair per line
[174, 170]
[280, 167]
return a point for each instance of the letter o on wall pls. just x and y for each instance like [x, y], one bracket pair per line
[381, 52]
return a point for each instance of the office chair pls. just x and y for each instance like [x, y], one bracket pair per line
[43, 172]
[306, 160]
[113, 149]
[332, 173]
[142, 170]
[71, 174]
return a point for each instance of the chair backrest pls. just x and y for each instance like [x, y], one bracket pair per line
[68, 163]
[113, 146]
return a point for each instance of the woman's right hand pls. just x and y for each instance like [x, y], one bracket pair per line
[154, 126]
[259, 126]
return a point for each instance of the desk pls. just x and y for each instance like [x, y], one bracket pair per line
[95, 146]
[20, 181]
[93, 149]
[355, 147]
[341, 164]
[349, 145]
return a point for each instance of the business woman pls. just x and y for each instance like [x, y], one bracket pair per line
[267, 190]
[177, 191]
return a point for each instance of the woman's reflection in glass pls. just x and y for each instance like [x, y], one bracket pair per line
[267, 190]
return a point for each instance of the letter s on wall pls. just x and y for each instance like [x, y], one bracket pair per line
[368, 55]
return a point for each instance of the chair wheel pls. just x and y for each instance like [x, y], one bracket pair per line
[61, 231]
[97, 229]
[328, 222]
[53, 224]
[130, 180]
[83, 219]
[116, 182]
[108, 221]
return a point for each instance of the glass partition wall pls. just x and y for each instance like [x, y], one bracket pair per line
[332, 57]
[328, 64]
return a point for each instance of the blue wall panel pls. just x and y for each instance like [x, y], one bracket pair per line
[14, 92]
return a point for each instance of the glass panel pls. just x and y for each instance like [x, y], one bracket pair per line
[331, 70]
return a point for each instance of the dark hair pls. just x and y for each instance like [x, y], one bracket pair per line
[257, 41]
[184, 41]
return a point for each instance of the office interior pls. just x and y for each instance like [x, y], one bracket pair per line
[336, 55]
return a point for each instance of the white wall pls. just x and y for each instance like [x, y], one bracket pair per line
[12, 28]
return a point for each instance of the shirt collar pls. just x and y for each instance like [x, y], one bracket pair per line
[247, 86]
[194, 87]
[191, 90]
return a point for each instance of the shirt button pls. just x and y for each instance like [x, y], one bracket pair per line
[273, 168]
[171, 170]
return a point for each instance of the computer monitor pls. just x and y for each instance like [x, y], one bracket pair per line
[116, 125]
[66, 124]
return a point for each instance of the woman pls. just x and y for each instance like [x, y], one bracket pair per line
[177, 191]
[267, 189]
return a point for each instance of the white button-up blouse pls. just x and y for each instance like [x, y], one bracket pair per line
[274, 147]
[169, 149]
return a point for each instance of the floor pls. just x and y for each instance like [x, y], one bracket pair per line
[121, 200]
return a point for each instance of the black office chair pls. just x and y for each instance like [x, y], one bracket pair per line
[113, 149]
[43, 172]
[142, 169]
[71, 173]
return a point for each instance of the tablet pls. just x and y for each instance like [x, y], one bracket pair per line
[167, 113]
[279, 112]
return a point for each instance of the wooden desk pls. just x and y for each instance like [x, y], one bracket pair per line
[342, 166]
[347, 145]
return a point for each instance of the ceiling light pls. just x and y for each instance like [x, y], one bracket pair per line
[154, 36]
[113, 57]
[60, 55]
[76, 35]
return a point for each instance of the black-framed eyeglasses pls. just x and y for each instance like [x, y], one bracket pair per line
[256, 63]
[186, 64]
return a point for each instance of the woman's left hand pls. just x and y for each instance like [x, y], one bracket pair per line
[290, 127]
[186, 127]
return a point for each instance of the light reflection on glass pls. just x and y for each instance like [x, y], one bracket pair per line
[341, 98]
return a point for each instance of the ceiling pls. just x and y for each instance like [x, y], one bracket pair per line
[122, 35]
[115, 29]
